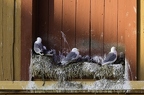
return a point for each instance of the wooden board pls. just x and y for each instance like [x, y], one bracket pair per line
[26, 37]
[1, 41]
[83, 26]
[110, 25]
[141, 43]
[42, 16]
[8, 45]
[121, 25]
[97, 27]
[35, 87]
[131, 36]
[55, 22]
[17, 40]
[68, 25]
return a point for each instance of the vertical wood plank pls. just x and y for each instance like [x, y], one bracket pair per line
[141, 59]
[68, 26]
[97, 19]
[26, 37]
[1, 40]
[17, 40]
[42, 21]
[8, 29]
[83, 26]
[121, 25]
[110, 25]
[55, 22]
[131, 36]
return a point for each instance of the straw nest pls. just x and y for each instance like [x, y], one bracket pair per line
[44, 67]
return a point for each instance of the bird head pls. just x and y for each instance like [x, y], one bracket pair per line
[75, 50]
[39, 40]
[113, 49]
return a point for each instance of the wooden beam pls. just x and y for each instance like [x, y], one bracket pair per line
[50, 87]
[17, 40]
[141, 65]
[26, 37]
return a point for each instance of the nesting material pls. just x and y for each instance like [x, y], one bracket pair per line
[44, 67]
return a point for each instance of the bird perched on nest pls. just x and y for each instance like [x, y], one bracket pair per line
[38, 46]
[120, 58]
[111, 57]
[70, 57]
[42, 50]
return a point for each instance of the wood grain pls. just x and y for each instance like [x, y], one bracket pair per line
[68, 24]
[97, 27]
[110, 25]
[141, 43]
[1, 39]
[26, 37]
[17, 40]
[8, 29]
[83, 26]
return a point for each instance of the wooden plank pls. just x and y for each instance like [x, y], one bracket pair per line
[1, 39]
[8, 38]
[34, 87]
[17, 40]
[68, 26]
[110, 25]
[55, 22]
[131, 36]
[141, 52]
[97, 23]
[26, 37]
[83, 26]
[42, 20]
[121, 25]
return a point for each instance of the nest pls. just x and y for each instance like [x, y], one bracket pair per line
[44, 67]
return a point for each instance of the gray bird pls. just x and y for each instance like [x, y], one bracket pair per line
[38, 47]
[71, 57]
[111, 57]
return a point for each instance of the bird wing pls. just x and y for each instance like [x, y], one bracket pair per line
[110, 57]
[38, 47]
[71, 56]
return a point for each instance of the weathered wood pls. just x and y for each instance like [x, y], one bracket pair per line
[42, 16]
[141, 43]
[97, 27]
[121, 25]
[131, 36]
[83, 26]
[1, 39]
[36, 87]
[17, 40]
[8, 45]
[55, 24]
[110, 25]
[26, 37]
[68, 24]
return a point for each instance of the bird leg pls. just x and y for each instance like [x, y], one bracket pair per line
[43, 79]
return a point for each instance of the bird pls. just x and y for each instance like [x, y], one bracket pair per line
[111, 56]
[120, 58]
[38, 46]
[70, 57]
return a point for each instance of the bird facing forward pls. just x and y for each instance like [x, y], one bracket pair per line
[38, 47]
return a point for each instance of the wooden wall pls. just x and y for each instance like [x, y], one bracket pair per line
[141, 40]
[10, 39]
[93, 26]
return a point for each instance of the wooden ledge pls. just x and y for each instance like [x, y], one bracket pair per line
[50, 87]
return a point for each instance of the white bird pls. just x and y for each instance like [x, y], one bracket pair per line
[111, 57]
[38, 47]
[71, 57]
